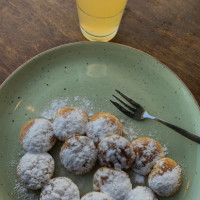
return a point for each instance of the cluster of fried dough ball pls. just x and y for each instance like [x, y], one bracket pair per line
[85, 142]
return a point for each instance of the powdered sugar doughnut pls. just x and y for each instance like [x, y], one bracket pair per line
[141, 193]
[78, 154]
[116, 151]
[69, 121]
[147, 152]
[165, 178]
[60, 188]
[96, 196]
[37, 136]
[102, 125]
[115, 183]
[34, 170]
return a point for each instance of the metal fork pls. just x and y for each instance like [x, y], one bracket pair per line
[137, 112]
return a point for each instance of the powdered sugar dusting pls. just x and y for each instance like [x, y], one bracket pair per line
[70, 124]
[40, 137]
[100, 128]
[147, 153]
[96, 196]
[57, 104]
[130, 133]
[141, 193]
[167, 183]
[54, 107]
[165, 149]
[139, 179]
[24, 193]
[116, 152]
[80, 154]
[115, 183]
[60, 188]
[35, 169]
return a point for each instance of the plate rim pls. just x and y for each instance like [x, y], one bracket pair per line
[89, 42]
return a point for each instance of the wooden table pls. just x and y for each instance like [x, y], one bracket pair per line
[168, 30]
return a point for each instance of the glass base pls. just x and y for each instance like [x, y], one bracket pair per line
[91, 37]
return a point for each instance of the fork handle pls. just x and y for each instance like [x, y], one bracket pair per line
[183, 132]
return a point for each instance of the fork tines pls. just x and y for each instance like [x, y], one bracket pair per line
[131, 101]
[122, 109]
[131, 110]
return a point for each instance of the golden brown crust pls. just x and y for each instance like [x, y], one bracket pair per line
[103, 178]
[66, 143]
[96, 183]
[167, 165]
[140, 151]
[146, 140]
[67, 110]
[125, 152]
[163, 165]
[109, 116]
[25, 129]
[53, 140]
[107, 178]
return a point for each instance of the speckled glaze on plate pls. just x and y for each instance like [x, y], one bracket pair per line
[93, 70]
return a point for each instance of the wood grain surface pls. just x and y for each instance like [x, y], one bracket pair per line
[168, 30]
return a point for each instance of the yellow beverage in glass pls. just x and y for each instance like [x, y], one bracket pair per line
[100, 19]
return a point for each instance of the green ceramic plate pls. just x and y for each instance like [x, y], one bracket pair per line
[90, 70]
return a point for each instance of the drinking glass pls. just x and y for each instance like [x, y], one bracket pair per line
[99, 19]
